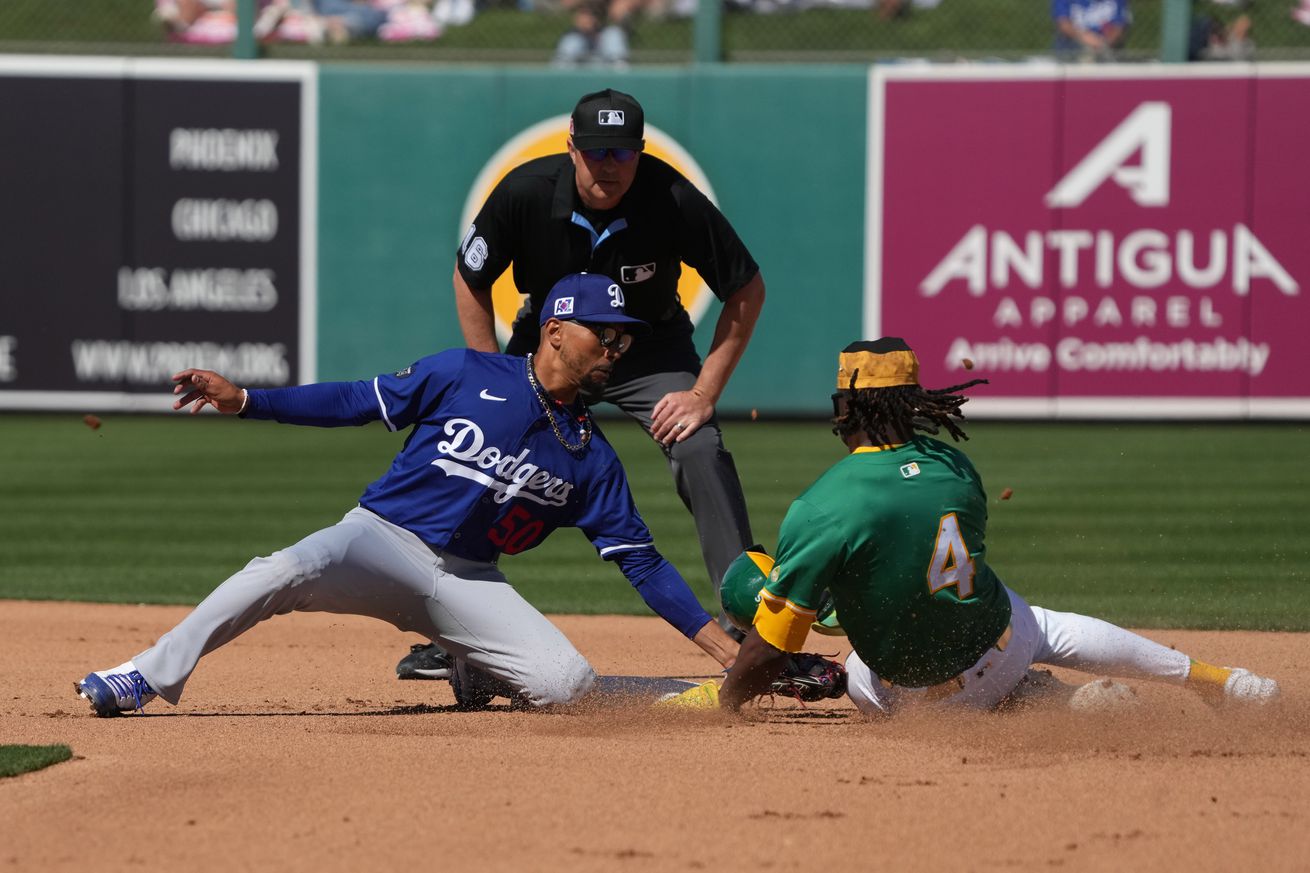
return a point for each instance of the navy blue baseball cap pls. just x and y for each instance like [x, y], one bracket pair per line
[590, 297]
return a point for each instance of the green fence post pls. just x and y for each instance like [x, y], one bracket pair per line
[244, 47]
[708, 37]
[1175, 31]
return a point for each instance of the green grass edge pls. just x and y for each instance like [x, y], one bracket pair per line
[18, 759]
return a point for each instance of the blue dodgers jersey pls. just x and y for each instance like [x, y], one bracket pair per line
[482, 472]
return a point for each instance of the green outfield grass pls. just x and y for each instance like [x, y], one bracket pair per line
[1180, 525]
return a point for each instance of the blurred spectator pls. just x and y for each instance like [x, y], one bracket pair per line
[599, 35]
[1212, 40]
[301, 21]
[346, 20]
[408, 21]
[453, 13]
[198, 21]
[342, 21]
[1302, 13]
[318, 21]
[1090, 30]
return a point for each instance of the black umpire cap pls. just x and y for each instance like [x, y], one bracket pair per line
[608, 119]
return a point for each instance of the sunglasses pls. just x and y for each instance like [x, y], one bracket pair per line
[608, 336]
[595, 156]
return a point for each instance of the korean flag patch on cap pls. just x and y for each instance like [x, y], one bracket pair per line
[563, 307]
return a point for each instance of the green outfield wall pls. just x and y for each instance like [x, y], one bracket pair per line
[400, 150]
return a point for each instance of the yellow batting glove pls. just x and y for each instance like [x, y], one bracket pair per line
[703, 696]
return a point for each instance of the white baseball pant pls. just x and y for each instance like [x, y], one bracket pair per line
[1038, 636]
[364, 565]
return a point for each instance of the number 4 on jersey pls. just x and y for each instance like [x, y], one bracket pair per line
[951, 564]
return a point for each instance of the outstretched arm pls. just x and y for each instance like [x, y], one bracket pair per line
[322, 404]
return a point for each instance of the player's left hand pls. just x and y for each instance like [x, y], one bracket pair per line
[678, 415]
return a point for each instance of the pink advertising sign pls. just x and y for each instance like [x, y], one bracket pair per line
[1129, 241]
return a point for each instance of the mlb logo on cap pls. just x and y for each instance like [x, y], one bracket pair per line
[608, 119]
[563, 306]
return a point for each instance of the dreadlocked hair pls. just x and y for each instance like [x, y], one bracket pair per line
[889, 414]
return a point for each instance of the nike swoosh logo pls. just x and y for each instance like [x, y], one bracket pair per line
[486, 395]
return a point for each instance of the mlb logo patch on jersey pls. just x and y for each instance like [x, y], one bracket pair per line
[637, 273]
[563, 307]
[610, 117]
[910, 470]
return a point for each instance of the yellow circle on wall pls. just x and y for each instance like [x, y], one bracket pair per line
[550, 137]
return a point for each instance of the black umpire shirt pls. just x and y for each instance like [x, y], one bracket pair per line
[536, 219]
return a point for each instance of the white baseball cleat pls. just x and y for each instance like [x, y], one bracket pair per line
[1103, 695]
[1244, 687]
[113, 692]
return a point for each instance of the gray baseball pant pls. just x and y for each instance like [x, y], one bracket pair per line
[703, 472]
[364, 565]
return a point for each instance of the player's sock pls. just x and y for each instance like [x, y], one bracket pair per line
[1206, 678]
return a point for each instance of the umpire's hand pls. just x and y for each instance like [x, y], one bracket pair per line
[207, 387]
[678, 415]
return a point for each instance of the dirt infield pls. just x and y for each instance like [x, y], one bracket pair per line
[296, 749]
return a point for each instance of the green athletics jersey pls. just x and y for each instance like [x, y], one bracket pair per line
[896, 534]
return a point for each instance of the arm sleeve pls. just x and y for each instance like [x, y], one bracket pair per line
[325, 404]
[663, 589]
[709, 244]
[397, 399]
[810, 552]
[1059, 9]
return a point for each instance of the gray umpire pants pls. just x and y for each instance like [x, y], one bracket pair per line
[703, 473]
[364, 565]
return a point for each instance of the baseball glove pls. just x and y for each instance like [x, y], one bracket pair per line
[809, 677]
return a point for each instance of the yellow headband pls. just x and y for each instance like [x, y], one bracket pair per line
[877, 370]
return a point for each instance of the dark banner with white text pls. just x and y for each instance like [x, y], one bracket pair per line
[154, 219]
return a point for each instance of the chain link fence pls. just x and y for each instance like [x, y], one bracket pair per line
[620, 32]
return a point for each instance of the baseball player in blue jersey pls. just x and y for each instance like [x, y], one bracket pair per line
[501, 451]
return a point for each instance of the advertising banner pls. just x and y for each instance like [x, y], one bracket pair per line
[157, 215]
[1096, 242]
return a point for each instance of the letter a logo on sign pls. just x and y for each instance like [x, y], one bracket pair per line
[1146, 128]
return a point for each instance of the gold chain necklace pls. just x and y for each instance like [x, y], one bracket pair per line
[584, 420]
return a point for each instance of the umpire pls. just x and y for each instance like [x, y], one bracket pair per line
[604, 207]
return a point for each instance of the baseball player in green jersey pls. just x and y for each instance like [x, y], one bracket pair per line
[895, 534]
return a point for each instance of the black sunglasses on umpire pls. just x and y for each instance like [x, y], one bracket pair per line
[620, 155]
[608, 335]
